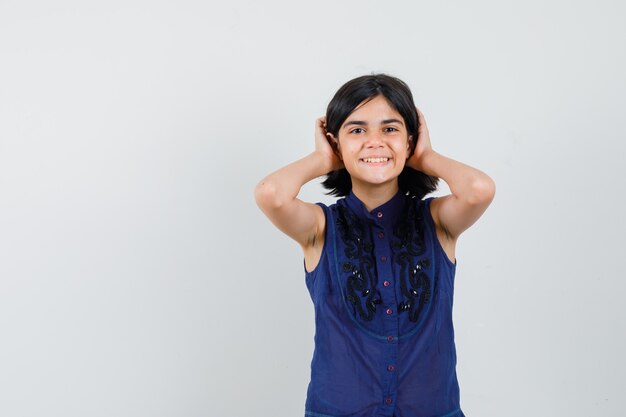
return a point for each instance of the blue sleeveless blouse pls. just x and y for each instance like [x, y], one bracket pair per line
[382, 292]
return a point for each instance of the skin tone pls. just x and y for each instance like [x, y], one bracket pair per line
[374, 146]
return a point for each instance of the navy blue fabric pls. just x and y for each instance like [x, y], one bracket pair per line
[382, 292]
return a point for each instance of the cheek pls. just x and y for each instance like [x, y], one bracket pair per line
[346, 149]
[402, 150]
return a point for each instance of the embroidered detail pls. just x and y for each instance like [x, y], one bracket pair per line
[360, 270]
[409, 231]
[416, 286]
[359, 278]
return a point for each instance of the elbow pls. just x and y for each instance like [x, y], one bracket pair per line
[266, 196]
[482, 192]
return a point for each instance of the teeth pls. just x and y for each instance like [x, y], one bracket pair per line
[375, 159]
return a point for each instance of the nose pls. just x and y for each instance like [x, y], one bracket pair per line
[374, 140]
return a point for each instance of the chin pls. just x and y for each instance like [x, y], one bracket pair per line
[381, 179]
[377, 180]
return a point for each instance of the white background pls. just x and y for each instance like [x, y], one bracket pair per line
[137, 276]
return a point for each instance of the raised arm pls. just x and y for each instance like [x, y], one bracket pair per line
[276, 194]
[472, 190]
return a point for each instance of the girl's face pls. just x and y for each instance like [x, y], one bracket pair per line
[373, 144]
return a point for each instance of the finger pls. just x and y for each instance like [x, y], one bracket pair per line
[420, 115]
[421, 119]
[320, 124]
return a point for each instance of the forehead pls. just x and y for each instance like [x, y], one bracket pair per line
[373, 111]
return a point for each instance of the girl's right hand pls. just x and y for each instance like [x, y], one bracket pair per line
[325, 145]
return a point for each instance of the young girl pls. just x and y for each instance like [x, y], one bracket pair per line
[380, 262]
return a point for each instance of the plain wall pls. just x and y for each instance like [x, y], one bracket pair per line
[138, 277]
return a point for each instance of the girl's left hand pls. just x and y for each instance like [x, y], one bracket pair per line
[423, 147]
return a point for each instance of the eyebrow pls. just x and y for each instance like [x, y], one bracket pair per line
[362, 123]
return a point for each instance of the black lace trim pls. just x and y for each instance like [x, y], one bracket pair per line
[361, 283]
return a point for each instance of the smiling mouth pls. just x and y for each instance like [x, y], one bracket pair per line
[375, 160]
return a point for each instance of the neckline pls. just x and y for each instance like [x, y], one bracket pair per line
[386, 213]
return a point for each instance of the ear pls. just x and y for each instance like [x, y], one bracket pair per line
[409, 147]
[334, 142]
